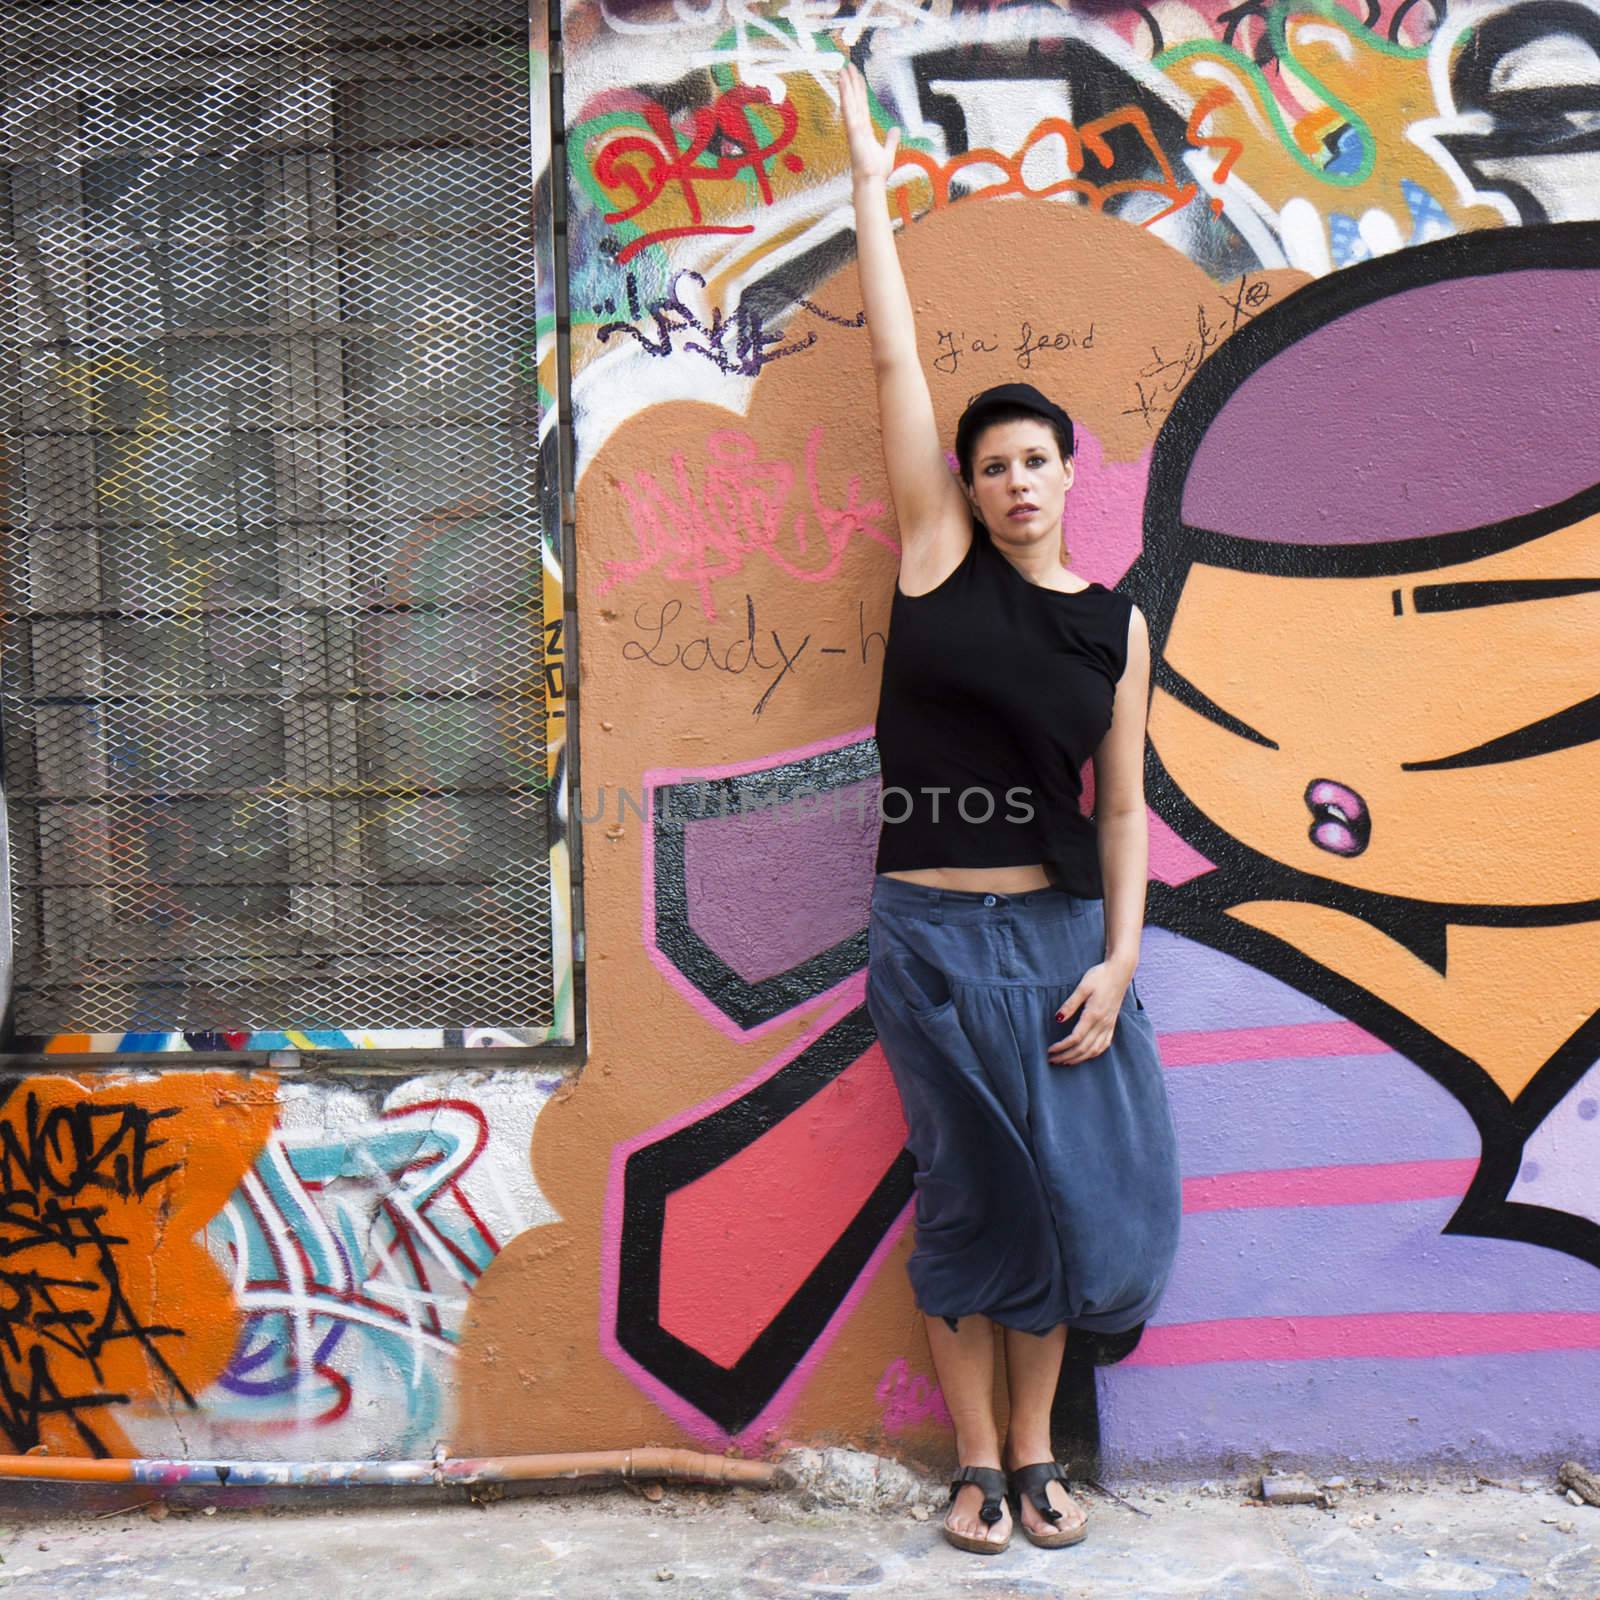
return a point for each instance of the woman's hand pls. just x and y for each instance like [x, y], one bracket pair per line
[868, 158]
[1100, 993]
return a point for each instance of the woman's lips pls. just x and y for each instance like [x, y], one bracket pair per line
[1340, 821]
[1022, 511]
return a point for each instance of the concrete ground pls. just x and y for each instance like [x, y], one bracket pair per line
[1202, 1541]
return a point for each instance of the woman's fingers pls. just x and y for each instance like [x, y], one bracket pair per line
[1095, 1042]
[852, 101]
[1100, 999]
[1088, 1039]
[858, 128]
[1091, 1038]
[1072, 1002]
[1064, 1051]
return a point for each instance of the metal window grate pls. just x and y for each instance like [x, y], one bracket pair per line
[273, 687]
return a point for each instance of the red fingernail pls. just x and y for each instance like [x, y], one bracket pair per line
[1061, 1016]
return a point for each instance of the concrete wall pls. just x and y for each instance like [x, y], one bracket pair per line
[1374, 954]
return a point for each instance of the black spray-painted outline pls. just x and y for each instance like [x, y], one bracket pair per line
[733, 1397]
[29, 1221]
[741, 1001]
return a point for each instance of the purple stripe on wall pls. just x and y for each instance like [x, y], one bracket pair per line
[1255, 1114]
[1537, 1406]
[1190, 986]
[1342, 1260]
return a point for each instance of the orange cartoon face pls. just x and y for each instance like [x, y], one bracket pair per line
[1372, 572]
[1433, 735]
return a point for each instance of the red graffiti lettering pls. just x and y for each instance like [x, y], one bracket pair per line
[643, 166]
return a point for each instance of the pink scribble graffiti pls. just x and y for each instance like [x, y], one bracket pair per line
[699, 533]
[909, 1398]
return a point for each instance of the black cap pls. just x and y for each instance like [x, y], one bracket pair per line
[1004, 396]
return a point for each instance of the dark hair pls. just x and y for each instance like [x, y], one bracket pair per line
[1012, 413]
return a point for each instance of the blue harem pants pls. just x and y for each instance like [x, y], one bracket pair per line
[1044, 1194]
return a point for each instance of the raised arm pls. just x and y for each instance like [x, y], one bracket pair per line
[934, 518]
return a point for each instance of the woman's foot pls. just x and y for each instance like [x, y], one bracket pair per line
[963, 1522]
[1034, 1523]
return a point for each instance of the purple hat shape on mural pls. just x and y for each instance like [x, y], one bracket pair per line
[1441, 390]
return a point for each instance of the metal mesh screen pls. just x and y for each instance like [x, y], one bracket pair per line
[273, 702]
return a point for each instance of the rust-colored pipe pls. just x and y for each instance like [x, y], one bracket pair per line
[682, 1466]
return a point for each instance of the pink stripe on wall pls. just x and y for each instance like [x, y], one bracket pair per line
[1292, 1039]
[738, 1242]
[1405, 1335]
[1388, 1183]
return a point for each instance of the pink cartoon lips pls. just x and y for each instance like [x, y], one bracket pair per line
[1340, 821]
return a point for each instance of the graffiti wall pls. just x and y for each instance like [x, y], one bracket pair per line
[1316, 283]
[238, 1266]
[1321, 285]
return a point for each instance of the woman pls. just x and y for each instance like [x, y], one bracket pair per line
[1005, 925]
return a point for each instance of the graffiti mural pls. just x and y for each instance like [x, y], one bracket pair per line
[1121, 204]
[1421, 879]
[350, 1246]
[1318, 282]
[223, 1263]
[1268, 135]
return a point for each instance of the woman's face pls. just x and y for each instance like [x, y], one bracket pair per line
[1434, 735]
[1019, 482]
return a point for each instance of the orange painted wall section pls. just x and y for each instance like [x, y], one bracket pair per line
[112, 1302]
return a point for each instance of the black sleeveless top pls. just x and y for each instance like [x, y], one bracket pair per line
[995, 692]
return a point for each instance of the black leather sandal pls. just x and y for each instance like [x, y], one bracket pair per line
[1035, 1481]
[993, 1483]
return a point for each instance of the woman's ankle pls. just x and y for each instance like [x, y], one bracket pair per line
[1023, 1450]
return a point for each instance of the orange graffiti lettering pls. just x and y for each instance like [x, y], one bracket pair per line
[1078, 145]
[1231, 149]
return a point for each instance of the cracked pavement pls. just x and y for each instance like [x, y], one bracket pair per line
[1463, 1539]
